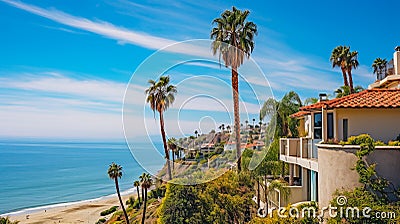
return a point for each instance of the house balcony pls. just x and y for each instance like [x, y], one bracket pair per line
[300, 151]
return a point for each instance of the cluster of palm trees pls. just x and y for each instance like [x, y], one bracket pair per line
[346, 60]
[145, 182]
[380, 68]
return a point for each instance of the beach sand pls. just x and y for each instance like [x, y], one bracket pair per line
[84, 212]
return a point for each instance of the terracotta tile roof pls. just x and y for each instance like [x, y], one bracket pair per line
[371, 98]
[299, 114]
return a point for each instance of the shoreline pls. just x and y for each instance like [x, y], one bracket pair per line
[84, 211]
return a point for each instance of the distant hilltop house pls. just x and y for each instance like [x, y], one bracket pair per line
[256, 145]
[317, 170]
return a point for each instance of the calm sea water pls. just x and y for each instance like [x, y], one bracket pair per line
[36, 173]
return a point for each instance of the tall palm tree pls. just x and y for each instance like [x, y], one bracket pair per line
[196, 133]
[380, 68]
[137, 184]
[146, 181]
[161, 95]
[351, 62]
[233, 39]
[254, 120]
[339, 58]
[115, 172]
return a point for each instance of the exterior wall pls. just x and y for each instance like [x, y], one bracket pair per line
[396, 62]
[302, 128]
[381, 124]
[296, 195]
[387, 163]
[335, 172]
[308, 125]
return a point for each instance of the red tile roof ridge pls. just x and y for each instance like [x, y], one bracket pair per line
[370, 98]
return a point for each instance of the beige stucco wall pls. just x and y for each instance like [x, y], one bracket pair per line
[335, 169]
[296, 195]
[381, 124]
[335, 172]
[387, 164]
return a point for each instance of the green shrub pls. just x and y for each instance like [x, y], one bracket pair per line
[109, 211]
[130, 201]
[379, 143]
[100, 221]
[360, 139]
[136, 204]
[394, 143]
[157, 192]
[361, 198]
[7, 220]
[203, 161]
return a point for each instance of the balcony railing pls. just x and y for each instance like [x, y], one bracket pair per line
[299, 147]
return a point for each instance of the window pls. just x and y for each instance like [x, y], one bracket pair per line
[317, 126]
[330, 125]
[345, 129]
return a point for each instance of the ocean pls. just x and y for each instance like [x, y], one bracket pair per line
[42, 173]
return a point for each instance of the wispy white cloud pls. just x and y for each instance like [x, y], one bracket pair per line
[101, 90]
[121, 34]
[289, 69]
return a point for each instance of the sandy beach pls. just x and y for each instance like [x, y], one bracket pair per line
[82, 212]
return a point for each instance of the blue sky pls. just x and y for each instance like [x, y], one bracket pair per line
[65, 65]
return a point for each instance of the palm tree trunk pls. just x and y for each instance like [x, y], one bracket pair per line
[120, 201]
[144, 208]
[346, 83]
[165, 145]
[258, 193]
[350, 80]
[266, 194]
[142, 194]
[138, 194]
[173, 159]
[235, 93]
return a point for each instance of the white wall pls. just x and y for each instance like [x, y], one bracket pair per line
[308, 125]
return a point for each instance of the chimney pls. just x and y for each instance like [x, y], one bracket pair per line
[323, 97]
[396, 60]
